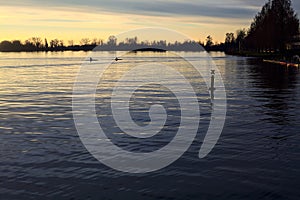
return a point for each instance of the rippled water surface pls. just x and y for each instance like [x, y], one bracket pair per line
[42, 157]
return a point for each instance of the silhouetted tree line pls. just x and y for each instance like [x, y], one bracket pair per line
[86, 44]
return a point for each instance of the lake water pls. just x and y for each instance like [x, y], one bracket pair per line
[42, 156]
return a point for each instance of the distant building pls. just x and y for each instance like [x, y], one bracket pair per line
[294, 44]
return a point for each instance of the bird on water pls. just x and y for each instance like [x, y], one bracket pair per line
[117, 59]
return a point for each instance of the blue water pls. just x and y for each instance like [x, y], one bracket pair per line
[42, 157]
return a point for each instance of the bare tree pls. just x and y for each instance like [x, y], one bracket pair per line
[85, 41]
[112, 40]
[96, 41]
[54, 43]
[71, 42]
[36, 41]
[61, 43]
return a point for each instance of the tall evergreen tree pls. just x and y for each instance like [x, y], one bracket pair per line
[273, 27]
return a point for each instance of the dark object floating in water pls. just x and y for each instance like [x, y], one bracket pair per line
[91, 59]
[117, 59]
[149, 49]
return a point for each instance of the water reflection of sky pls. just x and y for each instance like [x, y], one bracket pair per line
[41, 155]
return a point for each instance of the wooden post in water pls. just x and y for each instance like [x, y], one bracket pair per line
[212, 85]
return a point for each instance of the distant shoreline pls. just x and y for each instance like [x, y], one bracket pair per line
[64, 50]
[17, 46]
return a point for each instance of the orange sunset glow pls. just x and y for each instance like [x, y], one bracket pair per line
[24, 19]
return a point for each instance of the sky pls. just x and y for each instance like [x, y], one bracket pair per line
[76, 19]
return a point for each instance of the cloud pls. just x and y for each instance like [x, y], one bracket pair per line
[103, 17]
[217, 8]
